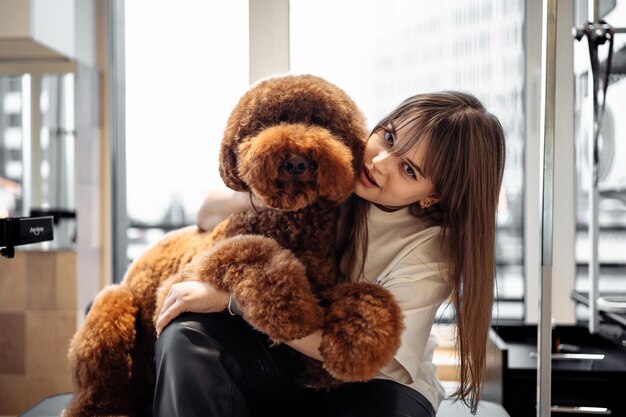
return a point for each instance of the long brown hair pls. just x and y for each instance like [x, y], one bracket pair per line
[465, 160]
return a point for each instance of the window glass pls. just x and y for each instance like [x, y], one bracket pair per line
[381, 52]
[186, 66]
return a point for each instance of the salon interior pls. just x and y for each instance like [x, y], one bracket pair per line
[111, 113]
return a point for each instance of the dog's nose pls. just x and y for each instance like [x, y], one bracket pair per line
[296, 164]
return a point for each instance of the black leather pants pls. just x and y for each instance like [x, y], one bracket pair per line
[217, 365]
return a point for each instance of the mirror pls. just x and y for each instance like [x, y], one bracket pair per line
[37, 150]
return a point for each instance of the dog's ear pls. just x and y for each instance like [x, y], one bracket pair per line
[228, 167]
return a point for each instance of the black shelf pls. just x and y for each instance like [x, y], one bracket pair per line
[596, 379]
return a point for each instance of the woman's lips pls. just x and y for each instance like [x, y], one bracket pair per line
[367, 179]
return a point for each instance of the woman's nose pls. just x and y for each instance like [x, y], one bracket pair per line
[380, 161]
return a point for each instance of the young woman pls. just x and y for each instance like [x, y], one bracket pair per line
[421, 223]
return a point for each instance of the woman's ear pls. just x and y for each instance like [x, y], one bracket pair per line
[429, 200]
[433, 199]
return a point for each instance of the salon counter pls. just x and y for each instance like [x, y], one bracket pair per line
[37, 321]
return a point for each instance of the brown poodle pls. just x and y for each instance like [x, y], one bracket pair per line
[295, 143]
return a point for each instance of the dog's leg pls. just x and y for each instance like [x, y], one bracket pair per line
[100, 355]
[268, 282]
[362, 330]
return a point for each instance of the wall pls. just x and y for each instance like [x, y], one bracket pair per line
[48, 30]
[46, 19]
[14, 18]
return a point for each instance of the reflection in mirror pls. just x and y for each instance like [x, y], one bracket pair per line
[57, 156]
[37, 171]
[13, 129]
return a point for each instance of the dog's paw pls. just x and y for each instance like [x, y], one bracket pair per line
[269, 283]
[362, 330]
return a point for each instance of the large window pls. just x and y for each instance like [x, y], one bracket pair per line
[186, 66]
[182, 82]
[381, 52]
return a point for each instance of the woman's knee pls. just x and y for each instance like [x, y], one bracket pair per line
[183, 333]
[195, 375]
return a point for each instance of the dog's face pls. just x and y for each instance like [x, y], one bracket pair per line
[294, 141]
[291, 166]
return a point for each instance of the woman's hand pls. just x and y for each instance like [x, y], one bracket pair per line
[190, 296]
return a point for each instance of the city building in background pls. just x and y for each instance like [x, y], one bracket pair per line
[391, 50]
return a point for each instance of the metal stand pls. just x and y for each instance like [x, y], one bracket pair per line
[597, 33]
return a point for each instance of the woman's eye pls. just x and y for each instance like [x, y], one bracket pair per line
[389, 138]
[409, 170]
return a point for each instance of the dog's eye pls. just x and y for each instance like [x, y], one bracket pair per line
[284, 116]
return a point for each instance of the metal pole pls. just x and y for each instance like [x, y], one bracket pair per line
[548, 103]
[592, 210]
[117, 123]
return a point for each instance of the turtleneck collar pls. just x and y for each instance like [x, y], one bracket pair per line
[378, 214]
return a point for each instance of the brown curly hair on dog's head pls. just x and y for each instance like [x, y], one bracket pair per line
[305, 130]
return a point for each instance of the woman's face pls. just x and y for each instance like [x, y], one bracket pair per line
[394, 181]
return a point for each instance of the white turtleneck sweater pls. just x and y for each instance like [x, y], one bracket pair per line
[405, 257]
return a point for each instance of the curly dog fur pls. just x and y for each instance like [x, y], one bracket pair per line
[296, 144]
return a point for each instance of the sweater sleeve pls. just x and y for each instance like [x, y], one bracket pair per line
[419, 288]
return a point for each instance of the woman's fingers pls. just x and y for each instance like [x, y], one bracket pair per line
[192, 296]
[169, 300]
[168, 314]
